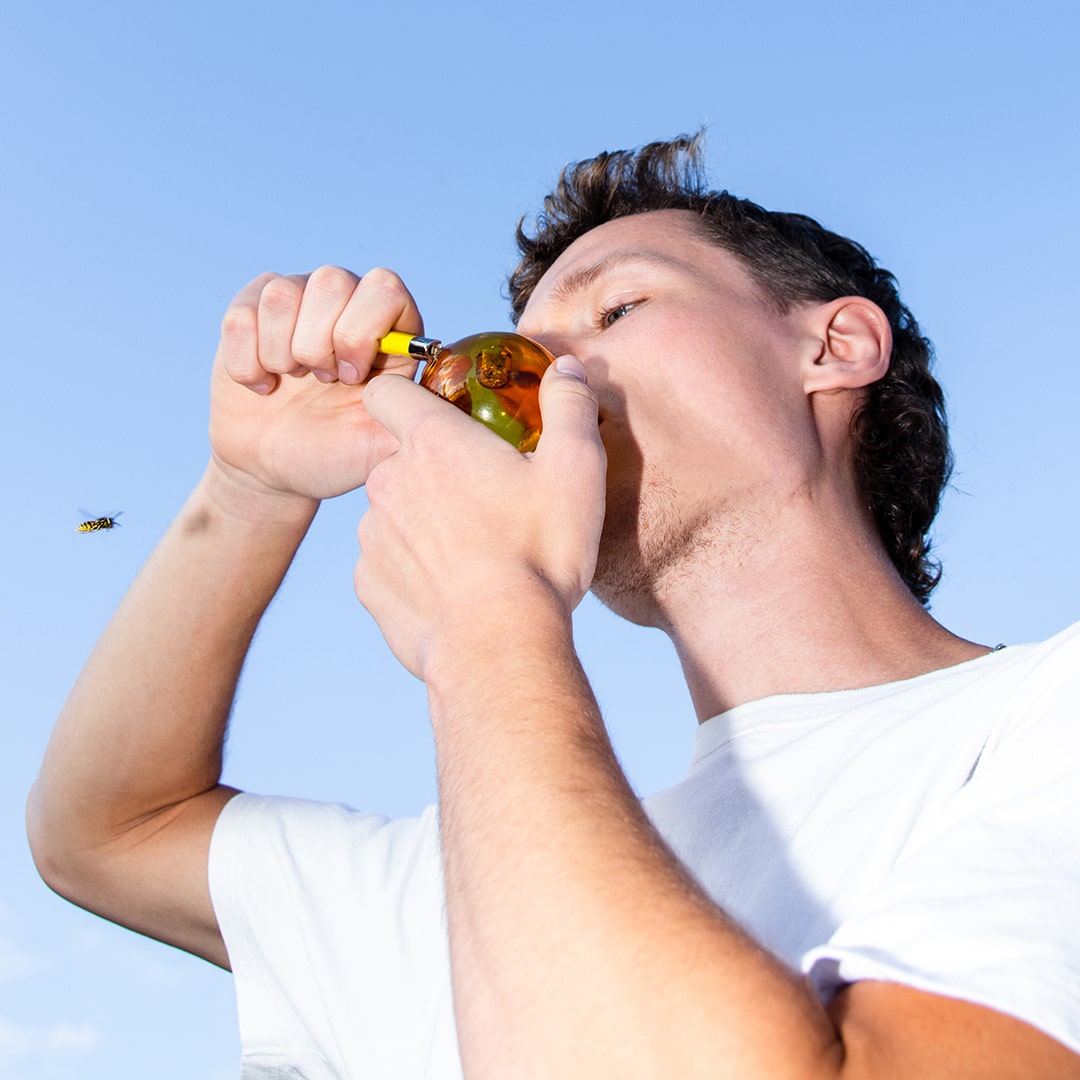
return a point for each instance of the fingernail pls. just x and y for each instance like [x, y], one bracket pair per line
[572, 366]
[324, 376]
[347, 373]
[262, 387]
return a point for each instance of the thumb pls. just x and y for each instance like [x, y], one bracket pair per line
[568, 407]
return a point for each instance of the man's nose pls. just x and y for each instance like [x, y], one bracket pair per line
[558, 344]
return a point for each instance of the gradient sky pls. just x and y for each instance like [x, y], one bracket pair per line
[157, 157]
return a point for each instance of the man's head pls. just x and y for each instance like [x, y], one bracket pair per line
[899, 440]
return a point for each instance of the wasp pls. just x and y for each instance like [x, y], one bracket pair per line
[94, 524]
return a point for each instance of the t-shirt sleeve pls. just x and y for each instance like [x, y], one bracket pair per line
[334, 922]
[983, 903]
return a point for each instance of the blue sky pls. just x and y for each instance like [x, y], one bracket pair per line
[156, 157]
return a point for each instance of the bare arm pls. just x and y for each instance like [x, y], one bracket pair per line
[121, 814]
[580, 946]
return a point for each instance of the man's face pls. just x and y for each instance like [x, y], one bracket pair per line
[701, 403]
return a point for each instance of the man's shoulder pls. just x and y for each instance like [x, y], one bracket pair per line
[1017, 673]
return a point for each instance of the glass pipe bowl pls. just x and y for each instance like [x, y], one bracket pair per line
[495, 378]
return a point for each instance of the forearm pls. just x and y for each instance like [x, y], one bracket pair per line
[144, 725]
[580, 946]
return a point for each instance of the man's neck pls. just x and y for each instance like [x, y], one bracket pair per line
[812, 609]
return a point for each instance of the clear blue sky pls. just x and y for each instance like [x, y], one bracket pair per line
[156, 157]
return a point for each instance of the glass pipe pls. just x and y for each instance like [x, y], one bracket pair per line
[494, 377]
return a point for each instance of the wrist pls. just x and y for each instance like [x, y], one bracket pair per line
[505, 640]
[239, 496]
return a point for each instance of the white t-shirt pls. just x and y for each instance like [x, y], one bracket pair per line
[925, 831]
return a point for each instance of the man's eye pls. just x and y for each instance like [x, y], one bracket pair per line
[611, 315]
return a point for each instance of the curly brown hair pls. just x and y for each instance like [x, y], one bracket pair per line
[899, 434]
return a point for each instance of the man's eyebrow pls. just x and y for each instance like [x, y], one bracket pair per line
[575, 281]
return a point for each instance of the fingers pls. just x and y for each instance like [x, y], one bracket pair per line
[568, 406]
[379, 303]
[569, 410]
[327, 323]
[239, 348]
[279, 303]
[404, 408]
[323, 301]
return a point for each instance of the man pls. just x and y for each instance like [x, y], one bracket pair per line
[870, 870]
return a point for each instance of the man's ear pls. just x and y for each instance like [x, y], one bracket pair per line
[854, 341]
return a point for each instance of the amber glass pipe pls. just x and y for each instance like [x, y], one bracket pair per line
[494, 377]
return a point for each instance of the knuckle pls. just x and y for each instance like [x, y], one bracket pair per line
[363, 529]
[580, 390]
[335, 280]
[348, 342]
[308, 355]
[262, 279]
[384, 280]
[238, 324]
[309, 360]
[376, 489]
[281, 296]
[582, 455]
[254, 287]
[361, 582]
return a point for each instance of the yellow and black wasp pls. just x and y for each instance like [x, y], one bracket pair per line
[96, 524]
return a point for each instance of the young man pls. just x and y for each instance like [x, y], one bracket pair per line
[869, 871]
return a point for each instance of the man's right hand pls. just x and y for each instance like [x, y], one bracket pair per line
[287, 414]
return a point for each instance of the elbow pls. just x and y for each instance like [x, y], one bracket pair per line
[39, 837]
[51, 844]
